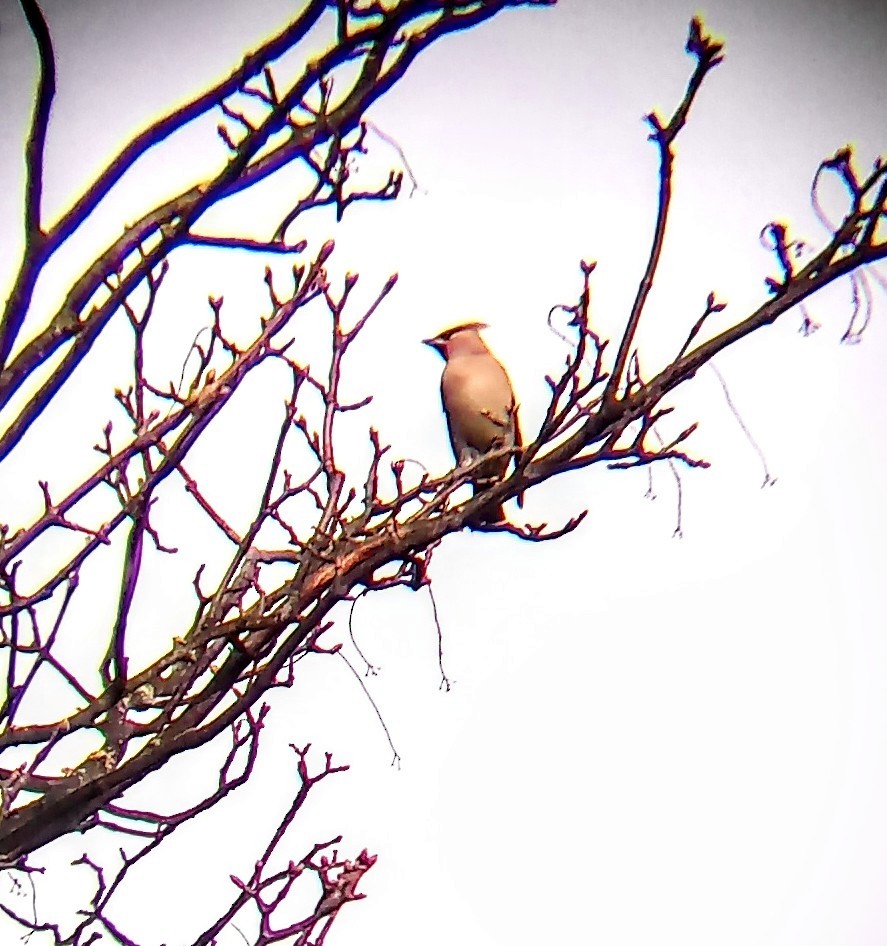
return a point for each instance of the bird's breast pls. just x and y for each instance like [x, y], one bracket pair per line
[478, 400]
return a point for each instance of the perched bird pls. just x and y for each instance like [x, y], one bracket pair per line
[479, 403]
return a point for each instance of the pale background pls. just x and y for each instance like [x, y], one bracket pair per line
[650, 739]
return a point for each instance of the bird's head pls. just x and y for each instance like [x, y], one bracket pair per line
[460, 339]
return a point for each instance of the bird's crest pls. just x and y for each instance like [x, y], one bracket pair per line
[448, 333]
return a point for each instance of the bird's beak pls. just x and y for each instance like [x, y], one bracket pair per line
[436, 343]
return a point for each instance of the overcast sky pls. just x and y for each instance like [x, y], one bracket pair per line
[650, 739]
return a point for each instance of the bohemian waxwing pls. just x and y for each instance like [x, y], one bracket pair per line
[479, 403]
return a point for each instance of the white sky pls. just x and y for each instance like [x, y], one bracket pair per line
[649, 739]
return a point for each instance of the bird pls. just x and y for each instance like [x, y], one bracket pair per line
[479, 404]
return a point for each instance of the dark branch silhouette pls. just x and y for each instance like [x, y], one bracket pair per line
[320, 533]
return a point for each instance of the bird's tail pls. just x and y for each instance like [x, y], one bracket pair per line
[490, 514]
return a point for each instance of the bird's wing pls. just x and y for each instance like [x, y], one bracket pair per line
[519, 443]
